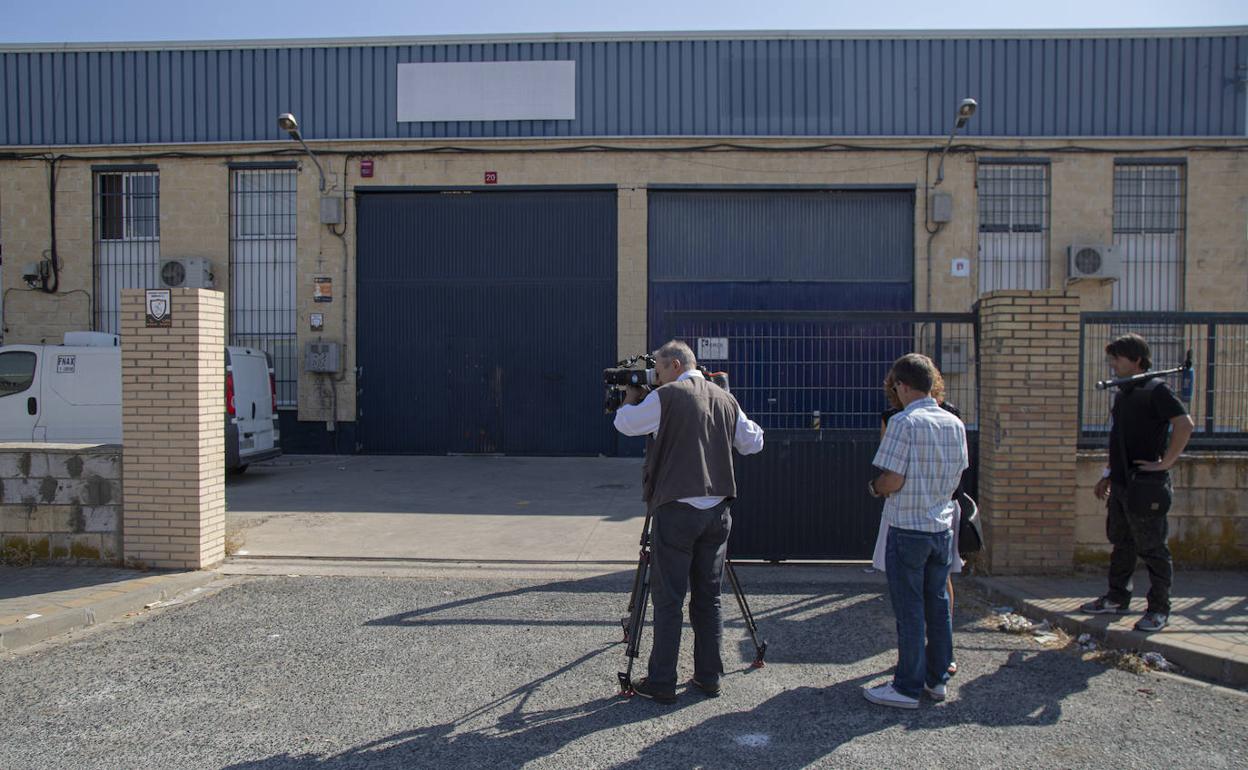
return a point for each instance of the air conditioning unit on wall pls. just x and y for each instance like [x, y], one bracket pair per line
[1095, 261]
[186, 273]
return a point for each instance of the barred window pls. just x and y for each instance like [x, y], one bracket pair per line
[1149, 231]
[262, 270]
[127, 240]
[1013, 226]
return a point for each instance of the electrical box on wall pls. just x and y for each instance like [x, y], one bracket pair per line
[321, 357]
[940, 207]
[331, 210]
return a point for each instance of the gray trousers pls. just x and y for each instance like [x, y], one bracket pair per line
[688, 549]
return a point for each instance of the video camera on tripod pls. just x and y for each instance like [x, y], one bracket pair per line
[639, 371]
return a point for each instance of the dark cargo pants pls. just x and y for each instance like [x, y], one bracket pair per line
[688, 549]
[1137, 535]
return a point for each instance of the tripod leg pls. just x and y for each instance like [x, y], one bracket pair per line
[635, 622]
[760, 648]
[643, 565]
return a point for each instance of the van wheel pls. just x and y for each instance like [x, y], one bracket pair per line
[240, 470]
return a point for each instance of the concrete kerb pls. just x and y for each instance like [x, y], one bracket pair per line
[1226, 669]
[28, 632]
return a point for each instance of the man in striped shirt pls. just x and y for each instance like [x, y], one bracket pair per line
[922, 458]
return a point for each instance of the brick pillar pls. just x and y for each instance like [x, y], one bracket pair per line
[1029, 366]
[173, 431]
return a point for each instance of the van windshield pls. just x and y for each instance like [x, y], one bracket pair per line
[17, 371]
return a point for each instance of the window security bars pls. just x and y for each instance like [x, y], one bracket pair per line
[262, 271]
[1013, 226]
[1150, 220]
[127, 240]
[824, 371]
[1216, 393]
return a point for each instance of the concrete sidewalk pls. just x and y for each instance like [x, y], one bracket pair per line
[561, 509]
[37, 603]
[1208, 631]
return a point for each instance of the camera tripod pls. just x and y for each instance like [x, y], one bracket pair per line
[638, 600]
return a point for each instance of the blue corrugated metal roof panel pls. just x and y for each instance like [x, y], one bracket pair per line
[1125, 85]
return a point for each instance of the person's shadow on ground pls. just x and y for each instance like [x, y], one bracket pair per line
[793, 729]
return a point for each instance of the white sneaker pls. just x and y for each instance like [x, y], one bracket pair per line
[885, 695]
[936, 693]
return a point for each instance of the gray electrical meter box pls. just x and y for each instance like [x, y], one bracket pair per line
[320, 357]
[941, 207]
[331, 210]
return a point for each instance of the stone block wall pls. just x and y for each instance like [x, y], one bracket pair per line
[60, 502]
[1208, 520]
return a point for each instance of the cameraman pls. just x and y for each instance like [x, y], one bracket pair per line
[1144, 415]
[688, 485]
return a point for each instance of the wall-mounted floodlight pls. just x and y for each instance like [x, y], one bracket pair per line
[966, 108]
[290, 125]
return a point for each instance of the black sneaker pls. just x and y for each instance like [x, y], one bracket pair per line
[654, 692]
[1104, 606]
[710, 691]
[1152, 621]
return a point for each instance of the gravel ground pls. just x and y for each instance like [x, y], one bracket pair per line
[329, 673]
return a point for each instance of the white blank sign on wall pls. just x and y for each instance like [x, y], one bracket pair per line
[515, 90]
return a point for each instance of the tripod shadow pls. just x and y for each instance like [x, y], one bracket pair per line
[498, 734]
[613, 585]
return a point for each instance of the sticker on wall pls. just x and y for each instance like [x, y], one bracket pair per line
[159, 308]
[961, 267]
[66, 364]
[317, 322]
[322, 289]
[712, 348]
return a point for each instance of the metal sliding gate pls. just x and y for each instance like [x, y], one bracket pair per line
[813, 381]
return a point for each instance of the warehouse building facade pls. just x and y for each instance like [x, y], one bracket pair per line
[481, 225]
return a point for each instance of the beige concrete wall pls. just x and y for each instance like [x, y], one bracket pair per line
[195, 206]
[1208, 519]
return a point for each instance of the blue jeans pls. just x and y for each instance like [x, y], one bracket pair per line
[917, 565]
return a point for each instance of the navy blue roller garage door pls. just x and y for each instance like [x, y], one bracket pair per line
[773, 285]
[484, 321]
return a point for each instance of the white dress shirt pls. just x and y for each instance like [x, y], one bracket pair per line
[642, 419]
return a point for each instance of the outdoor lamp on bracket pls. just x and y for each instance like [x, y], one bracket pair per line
[290, 125]
[966, 108]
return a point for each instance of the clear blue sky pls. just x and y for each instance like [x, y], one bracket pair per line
[57, 21]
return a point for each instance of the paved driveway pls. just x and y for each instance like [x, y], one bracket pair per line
[455, 508]
[439, 670]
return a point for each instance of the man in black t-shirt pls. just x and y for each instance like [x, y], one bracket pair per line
[1143, 414]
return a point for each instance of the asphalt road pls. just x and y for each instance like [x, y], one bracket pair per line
[329, 673]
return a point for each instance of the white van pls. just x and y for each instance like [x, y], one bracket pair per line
[251, 432]
[71, 393]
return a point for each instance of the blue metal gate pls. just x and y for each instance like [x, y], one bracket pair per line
[484, 320]
[813, 382]
[791, 282]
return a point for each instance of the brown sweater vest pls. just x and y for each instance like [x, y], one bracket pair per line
[691, 456]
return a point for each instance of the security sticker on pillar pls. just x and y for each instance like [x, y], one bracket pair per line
[961, 267]
[322, 289]
[159, 308]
